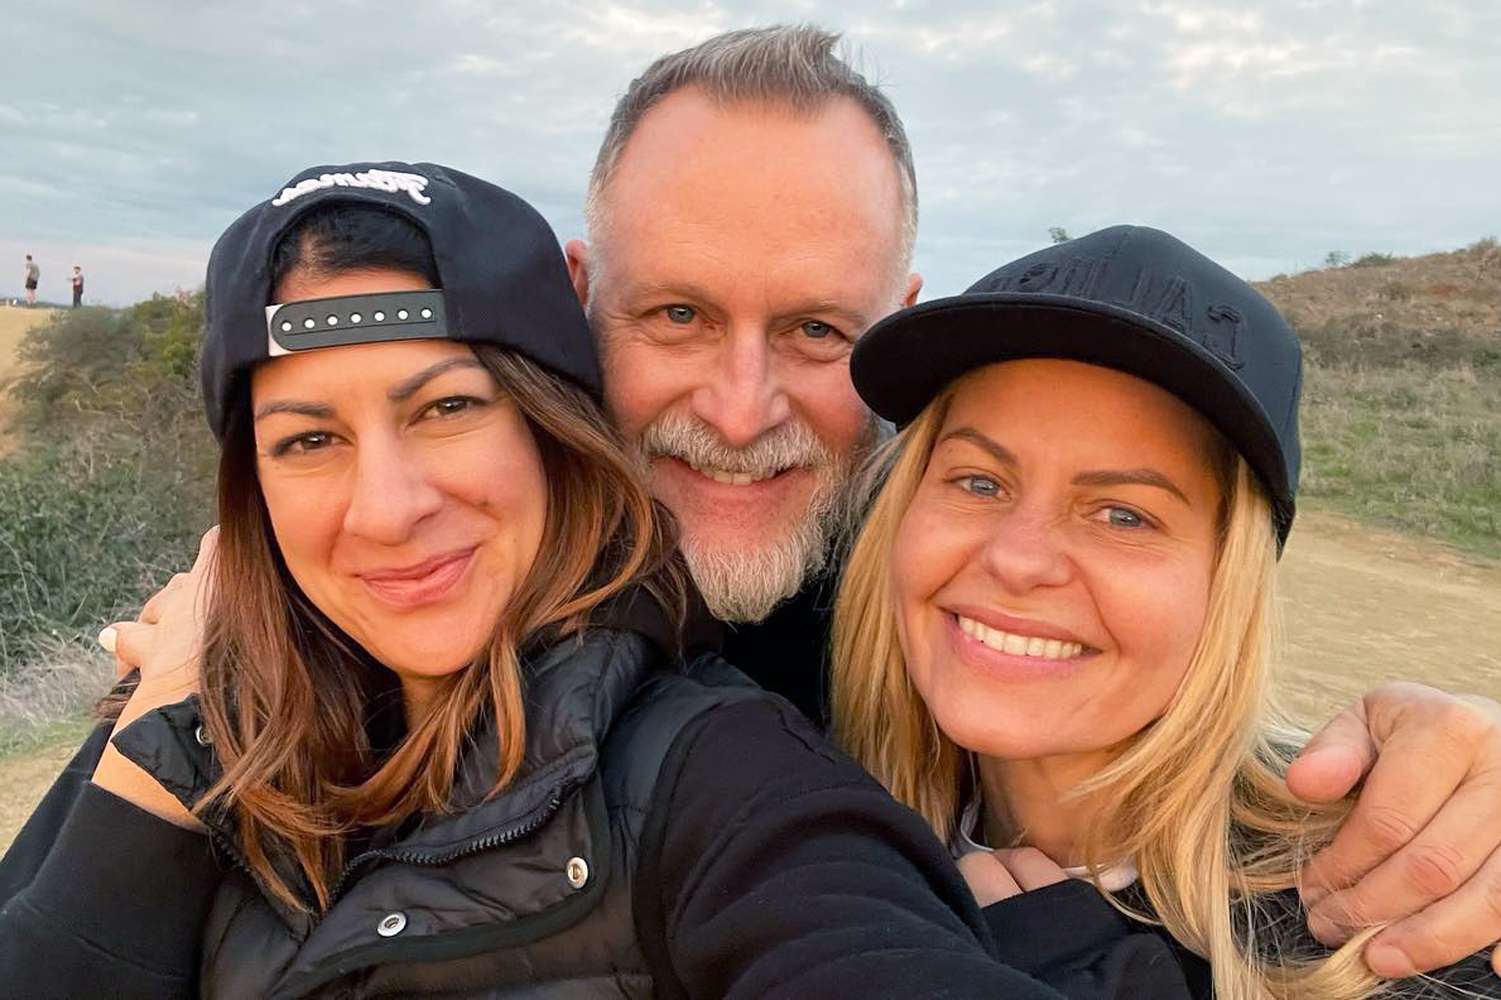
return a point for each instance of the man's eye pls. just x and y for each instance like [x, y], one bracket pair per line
[817, 329]
[301, 444]
[681, 314]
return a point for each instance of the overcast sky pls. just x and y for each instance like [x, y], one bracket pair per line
[1266, 134]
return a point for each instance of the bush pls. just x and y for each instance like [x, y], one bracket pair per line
[87, 529]
[1410, 445]
[1370, 341]
[1374, 260]
[113, 480]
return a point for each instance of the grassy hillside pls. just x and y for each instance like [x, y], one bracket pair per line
[108, 482]
[1402, 395]
[102, 496]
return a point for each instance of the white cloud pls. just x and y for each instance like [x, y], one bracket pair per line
[1267, 132]
[623, 29]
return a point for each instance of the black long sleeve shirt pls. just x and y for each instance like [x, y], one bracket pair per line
[771, 866]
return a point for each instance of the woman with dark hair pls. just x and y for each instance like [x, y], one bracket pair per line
[451, 730]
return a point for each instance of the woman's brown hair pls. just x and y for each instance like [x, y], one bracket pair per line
[286, 697]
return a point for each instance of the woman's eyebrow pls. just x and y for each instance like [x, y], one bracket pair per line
[974, 437]
[1095, 477]
[404, 389]
[318, 411]
[1130, 477]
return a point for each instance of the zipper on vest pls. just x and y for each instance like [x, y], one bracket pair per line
[523, 828]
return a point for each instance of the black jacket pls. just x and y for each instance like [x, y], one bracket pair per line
[788, 652]
[756, 861]
[1060, 927]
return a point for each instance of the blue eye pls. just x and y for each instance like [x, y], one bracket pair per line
[1124, 517]
[980, 486]
[681, 315]
[817, 329]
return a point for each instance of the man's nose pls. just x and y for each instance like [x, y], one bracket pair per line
[392, 493]
[742, 395]
[1026, 550]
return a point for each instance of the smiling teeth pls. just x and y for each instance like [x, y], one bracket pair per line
[731, 478]
[1020, 645]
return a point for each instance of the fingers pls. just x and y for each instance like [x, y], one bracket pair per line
[208, 550]
[196, 580]
[1334, 760]
[152, 610]
[1413, 778]
[207, 546]
[1443, 857]
[1031, 868]
[1446, 932]
[129, 641]
[109, 640]
[988, 879]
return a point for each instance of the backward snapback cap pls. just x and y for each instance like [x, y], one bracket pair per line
[1129, 298]
[501, 275]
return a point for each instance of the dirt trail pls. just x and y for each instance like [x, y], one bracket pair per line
[1360, 607]
[24, 778]
[14, 324]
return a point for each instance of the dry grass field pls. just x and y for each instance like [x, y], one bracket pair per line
[1402, 426]
[14, 324]
[1359, 607]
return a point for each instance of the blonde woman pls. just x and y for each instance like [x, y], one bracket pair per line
[1053, 629]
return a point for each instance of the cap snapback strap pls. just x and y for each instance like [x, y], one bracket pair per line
[355, 319]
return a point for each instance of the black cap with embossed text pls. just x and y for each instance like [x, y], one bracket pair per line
[502, 279]
[1129, 298]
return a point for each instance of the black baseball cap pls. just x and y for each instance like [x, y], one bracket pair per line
[1129, 298]
[501, 275]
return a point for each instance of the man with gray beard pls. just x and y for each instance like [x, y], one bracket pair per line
[751, 213]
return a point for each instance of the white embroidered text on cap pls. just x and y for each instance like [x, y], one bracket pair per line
[379, 180]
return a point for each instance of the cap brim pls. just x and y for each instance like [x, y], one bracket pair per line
[907, 359]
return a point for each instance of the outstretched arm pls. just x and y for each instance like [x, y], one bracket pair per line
[773, 866]
[1422, 848]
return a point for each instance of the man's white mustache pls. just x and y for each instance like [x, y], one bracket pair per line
[790, 445]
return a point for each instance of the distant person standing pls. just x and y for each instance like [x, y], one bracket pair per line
[77, 286]
[33, 275]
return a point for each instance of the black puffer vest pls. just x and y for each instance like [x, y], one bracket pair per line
[527, 894]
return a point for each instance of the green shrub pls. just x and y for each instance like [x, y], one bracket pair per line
[112, 483]
[1374, 259]
[87, 530]
[1409, 445]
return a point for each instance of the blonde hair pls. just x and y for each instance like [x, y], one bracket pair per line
[1197, 799]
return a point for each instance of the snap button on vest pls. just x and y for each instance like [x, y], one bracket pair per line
[202, 737]
[391, 925]
[578, 872]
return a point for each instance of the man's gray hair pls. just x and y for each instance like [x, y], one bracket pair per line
[795, 66]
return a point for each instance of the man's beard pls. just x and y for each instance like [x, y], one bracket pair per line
[745, 585]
